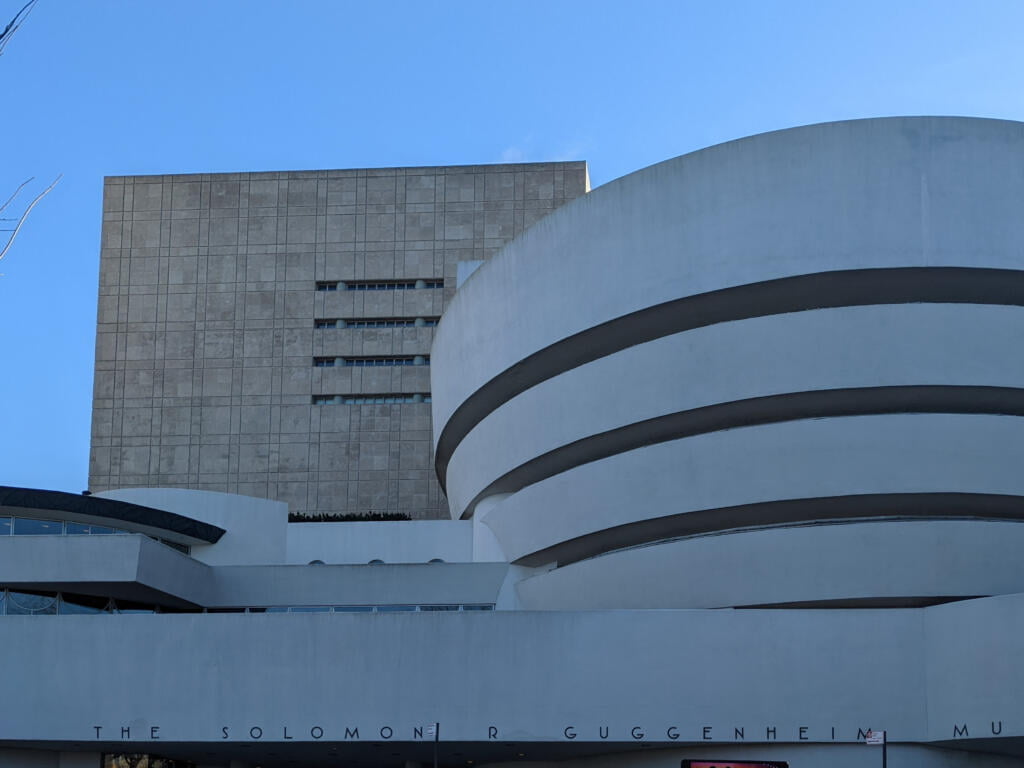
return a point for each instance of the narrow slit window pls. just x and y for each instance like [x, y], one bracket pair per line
[381, 285]
[371, 362]
[387, 398]
[376, 322]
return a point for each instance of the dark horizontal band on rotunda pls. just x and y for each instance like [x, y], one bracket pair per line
[823, 510]
[822, 290]
[755, 411]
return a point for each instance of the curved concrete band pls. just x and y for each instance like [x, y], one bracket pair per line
[796, 365]
[853, 457]
[838, 289]
[800, 331]
[822, 565]
[858, 195]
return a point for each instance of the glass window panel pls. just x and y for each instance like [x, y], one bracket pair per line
[393, 608]
[183, 548]
[26, 526]
[23, 604]
[353, 608]
[310, 608]
[5, 526]
[76, 529]
[82, 604]
[277, 609]
[139, 760]
[478, 607]
[439, 607]
[127, 606]
[102, 529]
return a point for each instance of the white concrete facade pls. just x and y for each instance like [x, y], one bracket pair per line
[731, 447]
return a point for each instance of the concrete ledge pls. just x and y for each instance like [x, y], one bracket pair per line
[881, 560]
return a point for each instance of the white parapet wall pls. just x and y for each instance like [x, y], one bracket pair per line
[254, 527]
[401, 541]
[258, 532]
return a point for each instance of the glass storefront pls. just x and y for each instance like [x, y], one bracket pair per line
[13, 603]
[30, 526]
[139, 760]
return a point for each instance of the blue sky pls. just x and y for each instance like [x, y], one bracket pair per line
[106, 87]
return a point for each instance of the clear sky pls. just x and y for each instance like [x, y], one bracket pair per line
[108, 87]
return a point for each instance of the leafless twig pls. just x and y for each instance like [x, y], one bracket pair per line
[24, 215]
[11, 198]
[5, 37]
[15, 23]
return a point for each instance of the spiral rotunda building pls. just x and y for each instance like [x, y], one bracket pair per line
[782, 371]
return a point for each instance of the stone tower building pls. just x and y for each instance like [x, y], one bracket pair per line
[268, 334]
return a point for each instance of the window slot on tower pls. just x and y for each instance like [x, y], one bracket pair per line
[376, 322]
[377, 285]
[390, 398]
[371, 362]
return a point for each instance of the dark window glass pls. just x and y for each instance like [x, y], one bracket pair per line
[478, 607]
[141, 760]
[24, 604]
[76, 529]
[80, 604]
[183, 548]
[26, 526]
[439, 607]
[384, 399]
[353, 608]
[102, 529]
[396, 322]
[378, 361]
[5, 526]
[394, 608]
[127, 606]
[391, 285]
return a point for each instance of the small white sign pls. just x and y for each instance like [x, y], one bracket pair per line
[875, 737]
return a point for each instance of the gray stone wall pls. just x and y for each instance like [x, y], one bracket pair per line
[205, 346]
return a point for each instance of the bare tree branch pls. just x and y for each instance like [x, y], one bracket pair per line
[24, 215]
[5, 37]
[11, 198]
[15, 23]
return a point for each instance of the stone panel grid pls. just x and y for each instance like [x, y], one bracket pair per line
[205, 329]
